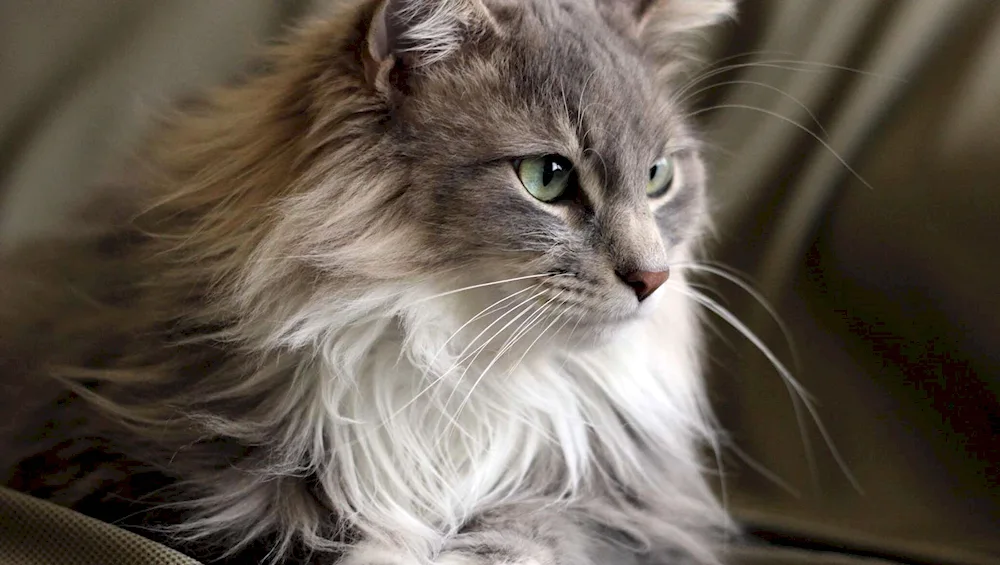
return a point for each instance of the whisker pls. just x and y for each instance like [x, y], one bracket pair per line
[462, 355]
[831, 67]
[569, 339]
[484, 285]
[501, 330]
[583, 94]
[523, 327]
[727, 274]
[445, 345]
[466, 358]
[538, 337]
[748, 54]
[470, 362]
[763, 470]
[783, 371]
[484, 312]
[716, 448]
[790, 385]
[604, 164]
[785, 65]
[507, 347]
[794, 123]
[519, 333]
[786, 95]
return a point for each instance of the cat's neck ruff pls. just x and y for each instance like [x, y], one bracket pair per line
[416, 450]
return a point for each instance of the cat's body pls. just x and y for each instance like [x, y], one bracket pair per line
[336, 324]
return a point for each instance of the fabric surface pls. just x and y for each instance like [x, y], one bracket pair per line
[36, 532]
[888, 291]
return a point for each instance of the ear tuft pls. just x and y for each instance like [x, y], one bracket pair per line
[417, 32]
[680, 15]
[672, 32]
[688, 15]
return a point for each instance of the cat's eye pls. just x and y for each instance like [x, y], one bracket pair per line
[547, 177]
[661, 177]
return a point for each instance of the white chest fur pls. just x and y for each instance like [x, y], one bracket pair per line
[415, 455]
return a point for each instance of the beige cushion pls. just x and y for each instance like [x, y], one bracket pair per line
[36, 532]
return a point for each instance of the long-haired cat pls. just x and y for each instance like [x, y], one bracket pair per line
[405, 296]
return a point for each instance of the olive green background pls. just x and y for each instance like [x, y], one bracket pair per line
[890, 292]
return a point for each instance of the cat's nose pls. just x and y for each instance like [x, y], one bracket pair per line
[645, 283]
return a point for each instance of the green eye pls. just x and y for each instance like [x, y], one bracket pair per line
[547, 177]
[661, 177]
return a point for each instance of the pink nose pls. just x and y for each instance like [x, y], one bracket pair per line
[645, 283]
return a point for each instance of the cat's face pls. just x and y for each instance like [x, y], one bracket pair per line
[464, 143]
[549, 143]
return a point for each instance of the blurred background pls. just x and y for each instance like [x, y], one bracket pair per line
[887, 278]
[856, 157]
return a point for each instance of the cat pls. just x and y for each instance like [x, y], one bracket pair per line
[412, 293]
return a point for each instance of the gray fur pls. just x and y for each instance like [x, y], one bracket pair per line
[291, 280]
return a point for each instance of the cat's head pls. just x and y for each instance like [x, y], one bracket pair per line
[543, 142]
[545, 136]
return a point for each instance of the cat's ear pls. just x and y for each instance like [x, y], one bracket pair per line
[667, 16]
[416, 33]
[679, 20]
[667, 29]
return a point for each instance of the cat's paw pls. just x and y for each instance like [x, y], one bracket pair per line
[377, 555]
[511, 551]
[486, 558]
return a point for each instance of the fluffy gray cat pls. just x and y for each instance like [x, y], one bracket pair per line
[412, 294]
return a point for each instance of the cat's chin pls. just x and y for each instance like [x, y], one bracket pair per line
[597, 331]
[601, 329]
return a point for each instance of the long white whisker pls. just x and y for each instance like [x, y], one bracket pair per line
[540, 315]
[463, 357]
[747, 54]
[468, 359]
[519, 333]
[583, 94]
[482, 313]
[504, 350]
[795, 394]
[453, 418]
[781, 64]
[484, 285]
[472, 361]
[538, 337]
[443, 347]
[764, 471]
[736, 279]
[794, 123]
[569, 340]
[786, 375]
[716, 447]
[455, 365]
[784, 94]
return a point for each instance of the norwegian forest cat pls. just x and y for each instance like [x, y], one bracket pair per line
[411, 294]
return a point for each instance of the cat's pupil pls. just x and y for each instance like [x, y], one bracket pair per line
[552, 167]
[652, 172]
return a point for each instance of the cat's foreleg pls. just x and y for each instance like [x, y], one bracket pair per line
[516, 535]
[547, 536]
